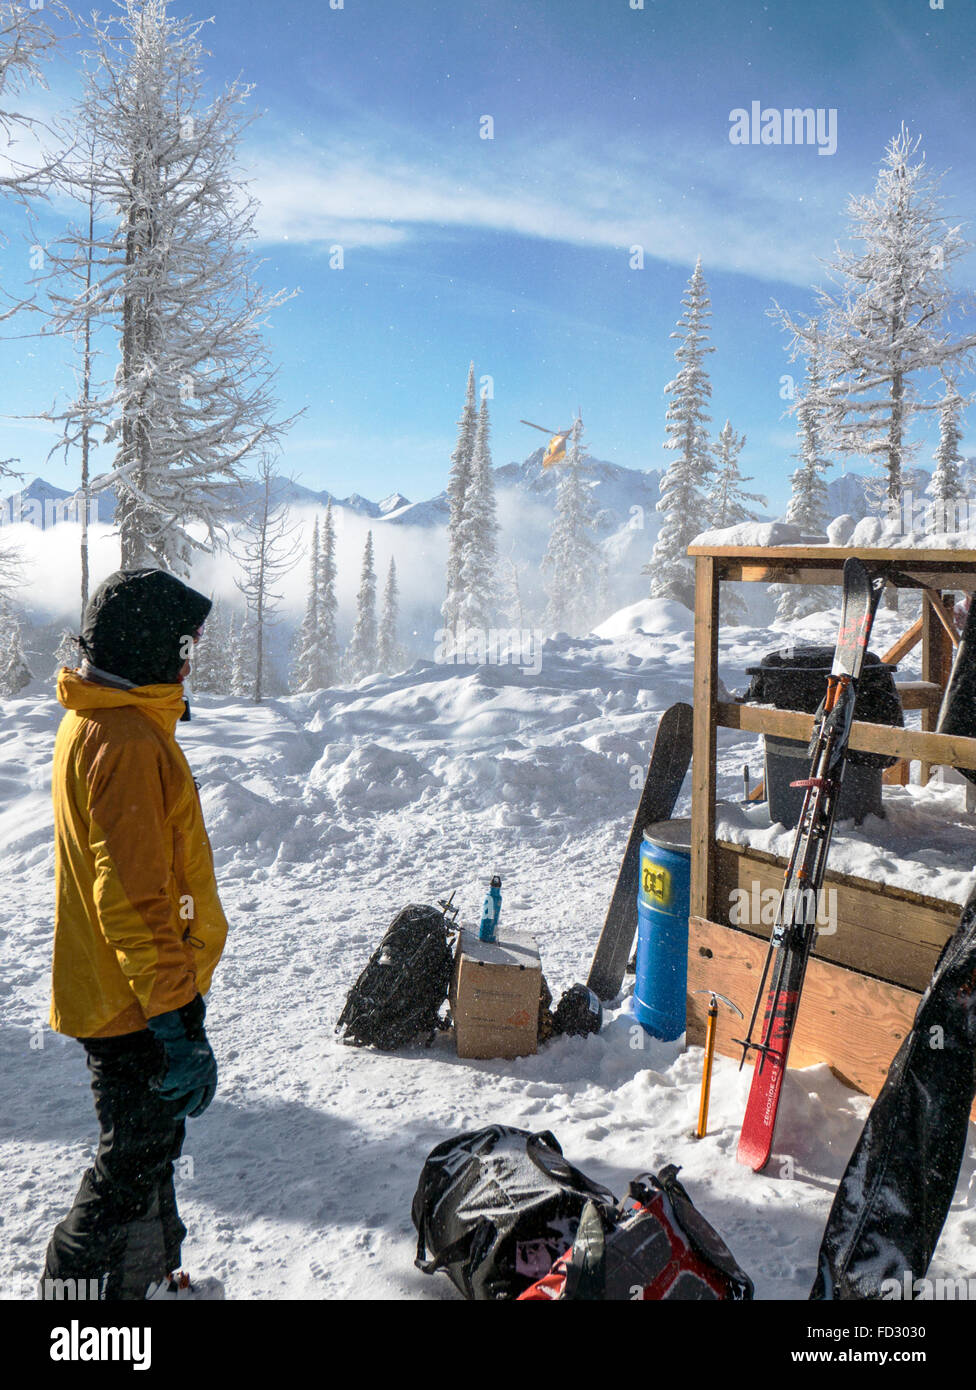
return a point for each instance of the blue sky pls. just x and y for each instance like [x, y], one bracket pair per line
[611, 128]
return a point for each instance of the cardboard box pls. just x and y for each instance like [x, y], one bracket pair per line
[495, 994]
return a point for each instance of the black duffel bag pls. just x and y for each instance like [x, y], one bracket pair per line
[494, 1209]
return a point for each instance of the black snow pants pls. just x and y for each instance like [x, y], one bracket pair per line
[124, 1231]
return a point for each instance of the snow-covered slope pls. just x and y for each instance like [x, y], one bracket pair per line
[328, 813]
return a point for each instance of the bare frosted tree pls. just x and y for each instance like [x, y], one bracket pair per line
[173, 278]
[885, 324]
[266, 550]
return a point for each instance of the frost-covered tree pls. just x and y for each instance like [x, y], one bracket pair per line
[330, 657]
[884, 327]
[478, 589]
[191, 398]
[726, 497]
[389, 652]
[15, 673]
[67, 652]
[211, 668]
[947, 485]
[305, 670]
[457, 490]
[361, 654]
[571, 564]
[685, 480]
[242, 655]
[266, 551]
[27, 41]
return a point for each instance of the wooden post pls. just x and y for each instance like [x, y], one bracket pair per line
[703, 775]
[937, 652]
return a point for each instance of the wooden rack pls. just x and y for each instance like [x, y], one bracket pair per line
[864, 981]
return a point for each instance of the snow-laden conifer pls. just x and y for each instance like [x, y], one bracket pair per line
[361, 654]
[389, 652]
[572, 560]
[686, 479]
[478, 587]
[457, 491]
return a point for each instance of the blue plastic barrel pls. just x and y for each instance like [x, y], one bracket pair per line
[663, 905]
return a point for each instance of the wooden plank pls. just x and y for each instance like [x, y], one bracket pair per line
[852, 1022]
[703, 771]
[961, 562]
[939, 609]
[905, 643]
[949, 750]
[898, 775]
[919, 694]
[875, 928]
[936, 667]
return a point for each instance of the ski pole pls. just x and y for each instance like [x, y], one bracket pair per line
[710, 1030]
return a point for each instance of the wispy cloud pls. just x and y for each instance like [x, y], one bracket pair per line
[755, 211]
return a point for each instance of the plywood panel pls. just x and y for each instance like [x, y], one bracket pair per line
[852, 1022]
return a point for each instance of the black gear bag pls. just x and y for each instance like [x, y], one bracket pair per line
[495, 1207]
[398, 998]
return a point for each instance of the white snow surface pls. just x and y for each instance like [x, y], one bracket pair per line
[330, 812]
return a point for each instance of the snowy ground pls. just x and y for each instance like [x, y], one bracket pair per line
[327, 814]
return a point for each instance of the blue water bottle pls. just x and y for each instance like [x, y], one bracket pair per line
[491, 911]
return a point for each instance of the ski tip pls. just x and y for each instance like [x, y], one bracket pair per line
[752, 1155]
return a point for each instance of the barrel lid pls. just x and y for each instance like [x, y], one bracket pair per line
[670, 834]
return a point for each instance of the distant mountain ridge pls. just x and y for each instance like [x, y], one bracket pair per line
[623, 498]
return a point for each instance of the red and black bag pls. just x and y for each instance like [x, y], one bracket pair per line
[662, 1248]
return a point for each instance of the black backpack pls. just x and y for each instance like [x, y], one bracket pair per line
[495, 1207]
[398, 998]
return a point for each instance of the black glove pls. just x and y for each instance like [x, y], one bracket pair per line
[190, 1078]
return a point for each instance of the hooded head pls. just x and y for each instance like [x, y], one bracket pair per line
[139, 624]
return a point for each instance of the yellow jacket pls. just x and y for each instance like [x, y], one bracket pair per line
[138, 926]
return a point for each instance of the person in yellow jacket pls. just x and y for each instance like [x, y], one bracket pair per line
[138, 929]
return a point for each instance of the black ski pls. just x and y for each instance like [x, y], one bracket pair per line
[795, 929]
[669, 763]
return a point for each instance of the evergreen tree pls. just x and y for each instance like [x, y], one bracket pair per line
[15, 674]
[682, 500]
[389, 651]
[478, 587]
[726, 498]
[808, 506]
[329, 656]
[241, 650]
[67, 653]
[305, 671]
[457, 492]
[946, 487]
[571, 563]
[210, 666]
[361, 654]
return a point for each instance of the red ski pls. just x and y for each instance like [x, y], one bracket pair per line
[795, 927]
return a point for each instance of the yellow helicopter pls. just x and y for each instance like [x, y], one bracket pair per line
[556, 448]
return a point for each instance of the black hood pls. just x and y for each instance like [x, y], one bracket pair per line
[139, 625]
